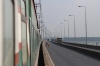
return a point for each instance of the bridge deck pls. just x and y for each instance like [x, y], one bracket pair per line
[65, 57]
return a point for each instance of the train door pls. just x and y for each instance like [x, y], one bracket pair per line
[8, 32]
[24, 33]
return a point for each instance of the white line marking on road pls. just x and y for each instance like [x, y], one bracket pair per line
[50, 57]
[77, 59]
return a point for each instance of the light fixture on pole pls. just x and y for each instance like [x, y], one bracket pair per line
[61, 31]
[54, 32]
[64, 29]
[85, 22]
[74, 28]
[68, 29]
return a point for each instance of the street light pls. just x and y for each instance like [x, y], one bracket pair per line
[64, 29]
[74, 28]
[57, 32]
[61, 30]
[54, 31]
[43, 31]
[68, 29]
[85, 22]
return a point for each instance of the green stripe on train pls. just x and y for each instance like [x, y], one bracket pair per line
[20, 58]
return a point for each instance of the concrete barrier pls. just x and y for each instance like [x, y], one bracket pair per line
[47, 58]
[84, 45]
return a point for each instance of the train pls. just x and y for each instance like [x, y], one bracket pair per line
[20, 37]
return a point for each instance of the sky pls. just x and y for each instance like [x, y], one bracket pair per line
[56, 11]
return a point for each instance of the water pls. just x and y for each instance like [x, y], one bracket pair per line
[95, 43]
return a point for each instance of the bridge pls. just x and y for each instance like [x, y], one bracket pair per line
[25, 39]
[66, 54]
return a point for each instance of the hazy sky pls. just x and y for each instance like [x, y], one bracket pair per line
[56, 11]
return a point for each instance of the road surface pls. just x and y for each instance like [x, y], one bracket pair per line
[65, 57]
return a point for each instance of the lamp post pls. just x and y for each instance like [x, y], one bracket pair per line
[64, 29]
[43, 31]
[85, 22]
[68, 29]
[58, 32]
[61, 31]
[74, 28]
[54, 32]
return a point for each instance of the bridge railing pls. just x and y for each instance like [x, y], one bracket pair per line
[83, 45]
[86, 51]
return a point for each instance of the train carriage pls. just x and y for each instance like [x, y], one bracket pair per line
[19, 33]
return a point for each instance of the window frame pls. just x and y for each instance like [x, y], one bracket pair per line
[25, 8]
[24, 19]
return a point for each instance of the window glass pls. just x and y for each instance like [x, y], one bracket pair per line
[24, 47]
[8, 33]
[23, 7]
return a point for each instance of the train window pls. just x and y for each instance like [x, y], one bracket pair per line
[24, 47]
[8, 34]
[23, 7]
